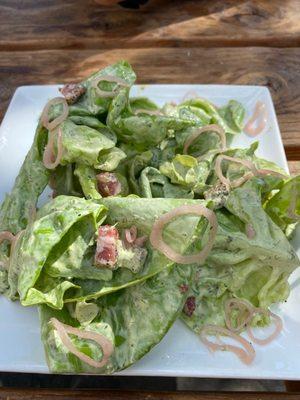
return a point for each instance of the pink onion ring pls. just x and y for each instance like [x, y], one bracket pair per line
[214, 128]
[236, 182]
[108, 78]
[278, 327]
[58, 120]
[263, 172]
[131, 234]
[49, 159]
[246, 354]
[105, 344]
[156, 237]
[238, 304]
[6, 235]
[140, 241]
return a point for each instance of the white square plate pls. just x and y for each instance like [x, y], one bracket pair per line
[180, 353]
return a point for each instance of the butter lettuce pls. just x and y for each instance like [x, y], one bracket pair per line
[89, 146]
[187, 171]
[59, 224]
[91, 104]
[255, 269]
[284, 206]
[134, 319]
[153, 183]
[125, 212]
[144, 130]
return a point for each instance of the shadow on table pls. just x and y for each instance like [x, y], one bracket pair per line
[136, 383]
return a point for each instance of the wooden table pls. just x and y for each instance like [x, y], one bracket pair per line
[194, 41]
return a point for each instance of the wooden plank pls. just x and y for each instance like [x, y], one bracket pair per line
[75, 24]
[274, 68]
[62, 394]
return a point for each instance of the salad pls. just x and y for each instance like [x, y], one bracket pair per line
[153, 217]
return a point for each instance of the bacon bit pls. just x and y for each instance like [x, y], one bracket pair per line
[183, 288]
[190, 306]
[72, 92]
[108, 184]
[106, 251]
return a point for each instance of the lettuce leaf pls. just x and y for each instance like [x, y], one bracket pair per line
[125, 212]
[185, 170]
[134, 319]
[53, 230]
[91, 103]
[141, 131]
[154, 184]
[89, 146]
[284, 206]
[256, 269]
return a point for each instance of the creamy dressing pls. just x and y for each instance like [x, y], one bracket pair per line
[257, 123]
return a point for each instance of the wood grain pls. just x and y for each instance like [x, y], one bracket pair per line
[50, 394]
[77, 24]
[276, 68]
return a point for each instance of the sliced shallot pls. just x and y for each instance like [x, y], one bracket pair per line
[241, 306]
[131, 234]
[49, 159]
[208, 128]
[258, 122]
[262, 172]
[156, 237]
[106, 345]
[250, 231]
[140, 241]
[6, 235]
[108, 78]
[245, 354]
[278, 327]
[58, 120]
[239, 181]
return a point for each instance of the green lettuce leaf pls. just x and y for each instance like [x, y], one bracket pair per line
[88, 181]
[141, 131]
[91, 103]
[89, 146]
[134, 319]
[229, 117]
[126, 212]
[18, 207]
[139, 104]
[154, 184]
[64, 182]
[284, 206]
[252, 268]
[185, 170]
[53, 229]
